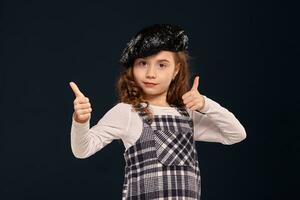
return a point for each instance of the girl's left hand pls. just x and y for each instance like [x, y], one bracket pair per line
[193, 99]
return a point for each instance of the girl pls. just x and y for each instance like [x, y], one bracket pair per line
[158, 118]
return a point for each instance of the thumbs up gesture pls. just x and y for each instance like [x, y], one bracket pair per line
[82, 106]
[193, 99]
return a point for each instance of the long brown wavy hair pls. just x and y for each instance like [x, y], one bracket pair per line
[129, 92]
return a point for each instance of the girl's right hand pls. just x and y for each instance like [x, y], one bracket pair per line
[82, 106]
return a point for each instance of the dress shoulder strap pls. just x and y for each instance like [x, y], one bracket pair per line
[143, 115]
[181, 109]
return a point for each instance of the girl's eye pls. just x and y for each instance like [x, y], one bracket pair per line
[142, 63]
[162, 65]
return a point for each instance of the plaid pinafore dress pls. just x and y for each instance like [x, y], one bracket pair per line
[163, 163]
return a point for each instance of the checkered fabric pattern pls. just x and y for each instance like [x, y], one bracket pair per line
[163, 163]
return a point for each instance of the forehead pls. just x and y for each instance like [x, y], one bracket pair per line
[162, 55]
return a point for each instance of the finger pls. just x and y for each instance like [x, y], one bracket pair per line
[84, 116]
[83, 111]
[86, 111]
[191, 104]
[196, 83]
[194, 107]
[188, 100]
[189, 94]
[81, 100]
[76, 90]
[82, 106]
[186, 95]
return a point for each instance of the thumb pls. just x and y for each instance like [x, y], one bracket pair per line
[75, 89]
[196, 83]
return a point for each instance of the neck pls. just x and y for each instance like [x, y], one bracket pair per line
[157, 101]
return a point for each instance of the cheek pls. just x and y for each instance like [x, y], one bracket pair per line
[136, 74]
[166, 82]
[168, 77]
[138, 77]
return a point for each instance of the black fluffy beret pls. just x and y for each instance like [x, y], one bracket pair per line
[152, 39]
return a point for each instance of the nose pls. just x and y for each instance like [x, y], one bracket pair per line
[151, 72]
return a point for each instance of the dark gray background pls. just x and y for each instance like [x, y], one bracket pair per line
[244, 52]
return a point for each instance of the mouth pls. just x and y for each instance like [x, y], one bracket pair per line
[149, 84]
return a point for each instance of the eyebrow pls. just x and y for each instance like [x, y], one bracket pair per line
[163, 60]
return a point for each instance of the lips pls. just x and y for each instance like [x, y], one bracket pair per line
[150, 83]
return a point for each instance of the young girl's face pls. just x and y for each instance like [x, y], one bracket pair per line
[158, 69]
